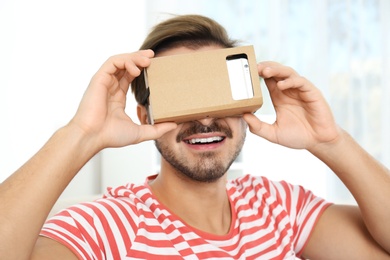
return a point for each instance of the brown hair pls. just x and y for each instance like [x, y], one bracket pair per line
[191, 31]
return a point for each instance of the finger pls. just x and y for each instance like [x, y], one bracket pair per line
[275, 70]
[259, 128]
[152, 132]
[133, 67]
[295, 82]
[131, 62]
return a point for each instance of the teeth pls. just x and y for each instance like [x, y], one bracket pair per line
[206, 140]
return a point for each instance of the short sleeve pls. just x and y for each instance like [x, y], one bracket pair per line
[103, 229]
[73, 227]
[303, 207]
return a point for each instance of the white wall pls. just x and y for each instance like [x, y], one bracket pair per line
[49, 51]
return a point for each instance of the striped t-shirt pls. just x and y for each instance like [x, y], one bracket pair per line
[270, 220]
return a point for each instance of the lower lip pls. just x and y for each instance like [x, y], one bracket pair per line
[205, 147]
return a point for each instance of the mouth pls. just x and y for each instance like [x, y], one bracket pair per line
[204, 140]
[205, 137]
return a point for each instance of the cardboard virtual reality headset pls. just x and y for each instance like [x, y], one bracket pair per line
[216, 83]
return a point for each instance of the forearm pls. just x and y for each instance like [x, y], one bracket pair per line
[367, 180]
[28, 195]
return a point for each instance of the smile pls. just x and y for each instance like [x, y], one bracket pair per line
[209, 140]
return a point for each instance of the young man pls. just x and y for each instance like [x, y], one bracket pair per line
[189, 210]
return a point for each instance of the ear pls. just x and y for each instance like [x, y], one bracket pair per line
[142, 114]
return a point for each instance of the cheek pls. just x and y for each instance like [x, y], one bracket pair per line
[237, 125]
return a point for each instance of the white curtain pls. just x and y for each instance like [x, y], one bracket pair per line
[341, 46]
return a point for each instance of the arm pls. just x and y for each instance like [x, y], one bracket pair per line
[369, 182]
[304, 121]
[27, 196]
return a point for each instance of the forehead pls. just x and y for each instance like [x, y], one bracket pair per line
[184, 50]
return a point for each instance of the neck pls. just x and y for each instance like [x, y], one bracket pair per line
[204, 206]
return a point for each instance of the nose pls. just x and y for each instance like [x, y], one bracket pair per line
[206, 121]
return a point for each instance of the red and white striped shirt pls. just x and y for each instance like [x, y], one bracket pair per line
[270, 220]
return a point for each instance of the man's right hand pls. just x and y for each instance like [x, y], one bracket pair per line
[101, 114]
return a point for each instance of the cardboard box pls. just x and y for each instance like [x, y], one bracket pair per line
[196, 85]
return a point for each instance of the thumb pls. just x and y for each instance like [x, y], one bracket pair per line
[260, 128]
[152, 132]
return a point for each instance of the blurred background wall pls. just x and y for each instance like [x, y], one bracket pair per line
[49, 50]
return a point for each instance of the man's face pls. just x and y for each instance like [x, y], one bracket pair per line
[202, 150]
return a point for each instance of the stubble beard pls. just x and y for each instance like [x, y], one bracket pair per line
[208, 167]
